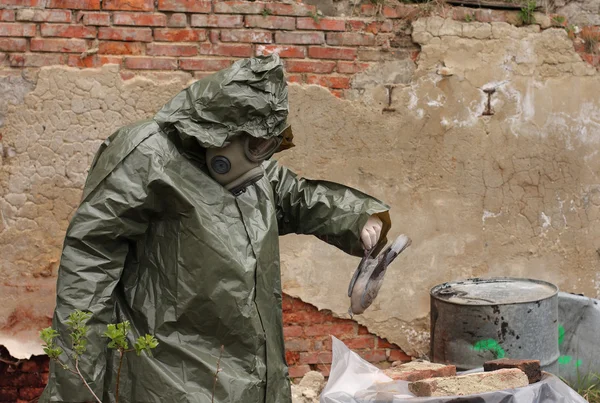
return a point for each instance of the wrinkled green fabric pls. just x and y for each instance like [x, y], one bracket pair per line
[156, 241]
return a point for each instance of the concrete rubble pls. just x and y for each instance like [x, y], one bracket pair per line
[471, 384]
[309, 388]
[418, 370]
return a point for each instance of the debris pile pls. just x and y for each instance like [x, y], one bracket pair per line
[309, 388]
[429, 379]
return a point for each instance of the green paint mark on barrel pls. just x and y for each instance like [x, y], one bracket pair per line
[564, 359]
[561, 334]
[490, 345]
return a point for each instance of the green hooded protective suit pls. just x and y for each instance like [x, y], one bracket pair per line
[156, 241]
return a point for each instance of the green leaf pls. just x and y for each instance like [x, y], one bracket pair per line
[145, 343]
[53, 352]
[118, 335]
[48, 335]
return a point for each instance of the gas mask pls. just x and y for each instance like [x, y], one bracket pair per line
[237, 165]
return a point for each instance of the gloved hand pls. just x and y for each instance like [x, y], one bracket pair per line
[371, 232]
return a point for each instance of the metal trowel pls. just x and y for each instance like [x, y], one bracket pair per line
[368, 277]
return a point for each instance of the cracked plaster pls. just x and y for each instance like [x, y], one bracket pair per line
[515, 193]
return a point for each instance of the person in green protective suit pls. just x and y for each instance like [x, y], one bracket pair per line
[177, 232]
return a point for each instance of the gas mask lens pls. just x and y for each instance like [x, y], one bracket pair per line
[258, 149]
[238, 164]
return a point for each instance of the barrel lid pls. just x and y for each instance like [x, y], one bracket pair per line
[494, 291]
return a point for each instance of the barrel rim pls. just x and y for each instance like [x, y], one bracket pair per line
[491, 279]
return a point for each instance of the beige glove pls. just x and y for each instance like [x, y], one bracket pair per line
[371, 232]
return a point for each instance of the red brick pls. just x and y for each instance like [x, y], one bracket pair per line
[225, 49]
[309, 66]
[316, 357]
[239, 7]
[337, 82]
[44, 15]
[30, 393]
[16, 29]
[24, 3]
[67, 31]
[126, 34]
[296, 9]
[167, 49]
[75, 4]
[92, 61]
[337, 330]
[317, 52]
[297, 345]
[350, 39]
[58, 45]
[398, 355]
[300, 38]
[7, 15]
[281, 50]
[8, 394]
[358, 342]
[150, 63]
[287, 303]
[128, 5]
[13, 44]
[292, 331]
[204, 64]
[142, 19]
[96, 19]
[218, 21]
[247, 36]
[383, 343]
[190, 6]
[36, 60]
[271, 22]
[292, 357]
[400, 11]
[179, 35]
[21, 380]
[324, 369]
[374, 355]
[368, 9]
[214, 36]
[325, 24]
[177, 20]
[305, 317]
[298, 371]
[379, 26]
[120, 48]
[361, 328]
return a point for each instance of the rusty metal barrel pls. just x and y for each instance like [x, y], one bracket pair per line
[477, 320]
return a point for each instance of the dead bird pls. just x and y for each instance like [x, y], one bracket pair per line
[368, 277]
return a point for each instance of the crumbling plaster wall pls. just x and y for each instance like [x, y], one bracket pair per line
[515, 193]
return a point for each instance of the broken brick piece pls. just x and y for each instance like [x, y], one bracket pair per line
[417, 370]
[471, 384]
[531, 367]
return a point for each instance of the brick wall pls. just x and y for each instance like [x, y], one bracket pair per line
[307, 334]
[203, 36]
[22, 381]
[200, 36]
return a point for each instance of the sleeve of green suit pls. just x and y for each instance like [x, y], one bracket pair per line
[332, 212]
[102, 233]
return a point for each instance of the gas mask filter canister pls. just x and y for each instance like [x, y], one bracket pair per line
[237, 165]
